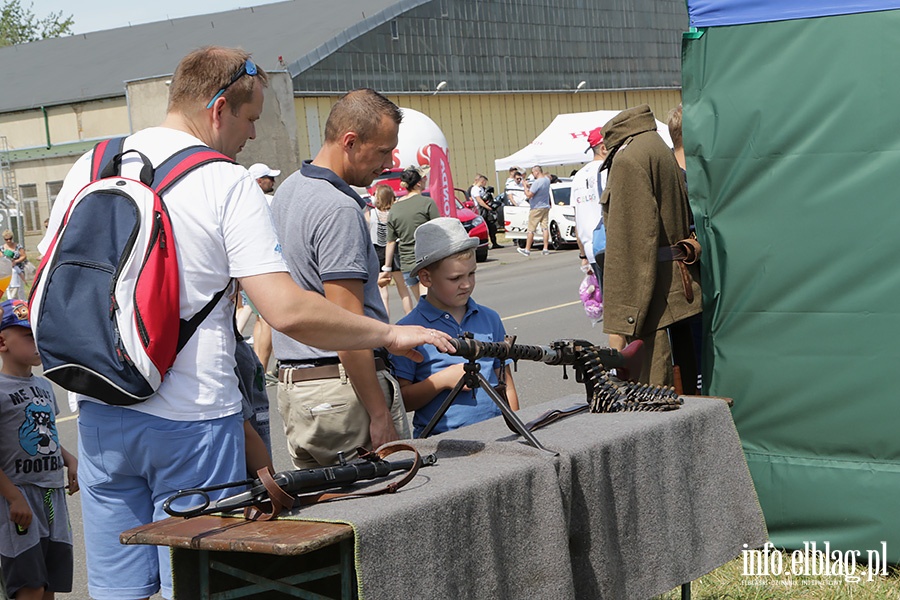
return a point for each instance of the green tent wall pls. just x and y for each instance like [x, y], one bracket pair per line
[792, 138]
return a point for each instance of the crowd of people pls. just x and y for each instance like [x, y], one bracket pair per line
[313, 263]
[309, 266]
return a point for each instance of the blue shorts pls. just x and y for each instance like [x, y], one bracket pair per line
[129, 464]
[410, 280]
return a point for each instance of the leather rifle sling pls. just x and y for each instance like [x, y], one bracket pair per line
[280, 500]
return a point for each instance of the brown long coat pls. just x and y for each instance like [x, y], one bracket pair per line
[644, 208]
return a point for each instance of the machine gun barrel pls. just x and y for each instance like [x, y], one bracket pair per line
[560, 352]
[469, 348]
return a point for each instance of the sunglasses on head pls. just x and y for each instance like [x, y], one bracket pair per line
[248, 68]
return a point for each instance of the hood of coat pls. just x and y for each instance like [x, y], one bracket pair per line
[626, 124]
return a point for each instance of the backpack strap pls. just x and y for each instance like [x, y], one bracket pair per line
[171, 170]
[187, 328]
[104, 153]
[167, 174]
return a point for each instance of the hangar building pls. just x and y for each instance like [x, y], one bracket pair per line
[510, 66]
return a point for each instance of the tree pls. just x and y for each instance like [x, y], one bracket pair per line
[18, 24]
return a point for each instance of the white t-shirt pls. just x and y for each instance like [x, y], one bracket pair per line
[586, 192]
[223, 230]
[515, 193]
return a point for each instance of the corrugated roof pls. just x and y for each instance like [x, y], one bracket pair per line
[97, 65]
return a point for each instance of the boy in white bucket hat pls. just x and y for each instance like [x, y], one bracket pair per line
[445, 265]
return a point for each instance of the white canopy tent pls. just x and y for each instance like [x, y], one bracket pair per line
[565, 141]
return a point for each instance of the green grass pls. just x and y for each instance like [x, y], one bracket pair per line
[728, 582]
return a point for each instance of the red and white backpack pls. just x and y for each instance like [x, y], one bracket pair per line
[105, 306]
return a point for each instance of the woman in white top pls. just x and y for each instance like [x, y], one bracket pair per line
[15, 252]
[377, 217]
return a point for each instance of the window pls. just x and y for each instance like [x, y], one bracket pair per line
[561, 195]
[395, 30]
[53, 188]
[29, 206]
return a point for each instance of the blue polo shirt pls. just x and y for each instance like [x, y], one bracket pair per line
[468, 407]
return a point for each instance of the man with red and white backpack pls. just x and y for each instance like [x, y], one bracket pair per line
[189, 432]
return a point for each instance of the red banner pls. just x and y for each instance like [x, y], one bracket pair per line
[440, 182]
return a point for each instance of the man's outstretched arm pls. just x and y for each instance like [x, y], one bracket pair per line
[311, 319]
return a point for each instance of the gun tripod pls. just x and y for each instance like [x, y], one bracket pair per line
[473, 379]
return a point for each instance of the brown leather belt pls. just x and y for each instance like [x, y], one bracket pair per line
[296, 374]
[684, 252]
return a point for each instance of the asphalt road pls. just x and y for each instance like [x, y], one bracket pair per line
[537, 297]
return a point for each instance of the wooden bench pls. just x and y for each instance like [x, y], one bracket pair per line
[217, 558]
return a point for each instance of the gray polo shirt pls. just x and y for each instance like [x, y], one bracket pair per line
[324, 237]
[541, 190]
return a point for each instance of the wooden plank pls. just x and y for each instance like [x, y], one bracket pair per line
[282, 537]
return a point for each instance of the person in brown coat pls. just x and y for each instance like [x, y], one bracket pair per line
[646, 286]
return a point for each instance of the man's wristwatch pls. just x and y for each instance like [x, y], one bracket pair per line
[582, 257]
[386, 269]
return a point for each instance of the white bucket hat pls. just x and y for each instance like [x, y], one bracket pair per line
[439, 238]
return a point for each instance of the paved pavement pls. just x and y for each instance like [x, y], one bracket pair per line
[537, 297]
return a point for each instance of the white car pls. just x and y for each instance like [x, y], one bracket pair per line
[561, 220]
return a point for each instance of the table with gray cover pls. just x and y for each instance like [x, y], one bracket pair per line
[633, 505]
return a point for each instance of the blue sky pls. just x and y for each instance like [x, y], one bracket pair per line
[94, 15]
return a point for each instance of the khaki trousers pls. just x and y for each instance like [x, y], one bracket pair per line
[324, 416]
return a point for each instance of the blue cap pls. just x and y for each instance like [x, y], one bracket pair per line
[15, 313]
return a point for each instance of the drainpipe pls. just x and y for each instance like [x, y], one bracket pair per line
[46, 127]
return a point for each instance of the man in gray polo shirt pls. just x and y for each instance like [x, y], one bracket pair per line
[538, 194]
[337, 401]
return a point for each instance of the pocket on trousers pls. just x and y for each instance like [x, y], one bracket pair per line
[318, 409]
[91, 469]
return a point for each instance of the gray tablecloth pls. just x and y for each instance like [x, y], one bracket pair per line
[633, 505]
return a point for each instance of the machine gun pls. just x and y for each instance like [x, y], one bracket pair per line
[272, 493]
[592, 365]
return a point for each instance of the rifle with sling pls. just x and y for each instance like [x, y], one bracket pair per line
[271, 493]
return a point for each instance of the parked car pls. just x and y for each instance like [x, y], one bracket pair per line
[471, 220]
[561, 220]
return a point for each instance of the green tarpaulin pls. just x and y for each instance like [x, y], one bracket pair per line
[792, 137]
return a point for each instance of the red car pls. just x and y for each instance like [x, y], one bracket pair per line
[472, 221]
